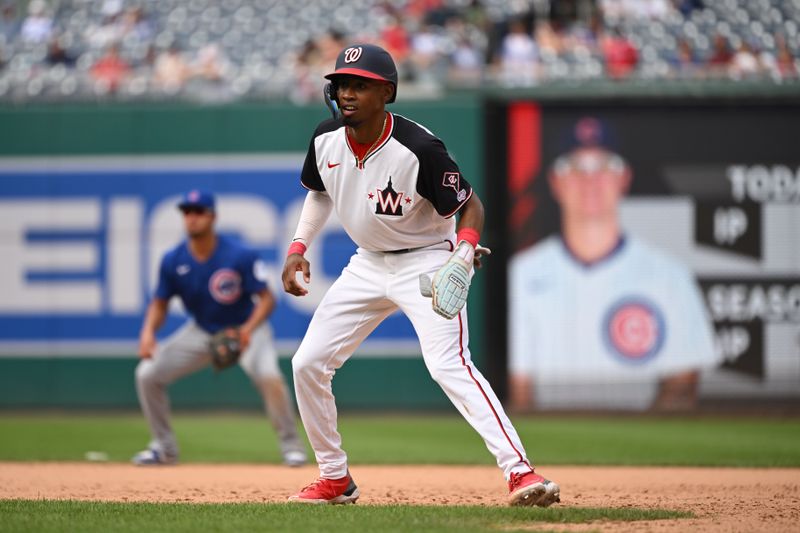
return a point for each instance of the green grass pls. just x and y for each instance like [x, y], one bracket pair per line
[55, 516]
[408, 439]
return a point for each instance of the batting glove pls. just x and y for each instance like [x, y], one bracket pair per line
[450, 286]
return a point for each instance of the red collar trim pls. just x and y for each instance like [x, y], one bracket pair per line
[360, 151]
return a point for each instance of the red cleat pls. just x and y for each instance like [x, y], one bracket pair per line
[331, 491]
[530, 489]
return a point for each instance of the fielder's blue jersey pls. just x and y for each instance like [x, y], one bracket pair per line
[217, 293]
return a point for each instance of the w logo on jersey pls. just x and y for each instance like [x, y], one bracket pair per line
[389, 201]
[225, 286]
[634, 329]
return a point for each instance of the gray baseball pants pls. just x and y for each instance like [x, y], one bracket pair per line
[186, 351]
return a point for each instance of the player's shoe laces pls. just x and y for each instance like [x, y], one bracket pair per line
[332, 491]
[530, 489]
[294, 458]
[152, 457]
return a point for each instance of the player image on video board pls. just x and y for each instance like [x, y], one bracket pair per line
[653, 260]
[598, 317]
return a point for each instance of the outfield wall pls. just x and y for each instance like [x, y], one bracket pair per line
[87, 198]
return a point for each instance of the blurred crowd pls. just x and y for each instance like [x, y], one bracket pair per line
[229, 49]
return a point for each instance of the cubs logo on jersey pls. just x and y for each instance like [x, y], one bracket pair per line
[634, 329]
[225, 286]
[390, 202]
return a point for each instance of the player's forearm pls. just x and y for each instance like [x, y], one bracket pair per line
[316, 210]
[155, 316]
[468, 229]
[262, 309]
[471, 215]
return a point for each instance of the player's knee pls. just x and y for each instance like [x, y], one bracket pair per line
[145, 372]
[304, 368]
[435, 373]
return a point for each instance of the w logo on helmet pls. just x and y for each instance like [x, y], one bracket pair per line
[351, 55]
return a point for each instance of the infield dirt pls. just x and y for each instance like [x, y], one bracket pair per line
[722, 499]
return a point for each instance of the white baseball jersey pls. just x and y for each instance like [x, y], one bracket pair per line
[397, 206]
[601, 335]
[402, 195]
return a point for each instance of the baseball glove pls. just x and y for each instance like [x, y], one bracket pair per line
[225, 348]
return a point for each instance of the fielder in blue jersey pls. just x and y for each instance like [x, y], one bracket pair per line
[221, 285]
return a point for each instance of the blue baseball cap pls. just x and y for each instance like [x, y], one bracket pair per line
[197, 198]
[366, 61]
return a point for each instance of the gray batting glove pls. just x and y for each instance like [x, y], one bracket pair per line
[450, 286]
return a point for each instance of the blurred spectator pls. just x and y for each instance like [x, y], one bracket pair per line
[211, 64]
[684, 63]
[686, 7]
[9, 22]
[781, 65]
[110, 70]
[582, 36]
[171, 71]
[136, 24]
[464, 52]
[211, 73]
[418, 9]
[745, 63]
[548, 39]
[620, 55]
[394, 38]
[38, 25]
[720, 57]
[426, 52]
[307, 66]
[476, 16]
[58, 55]
[108, 31]
[466, 63]
[519, 56]
[328, 45]
[614, 10]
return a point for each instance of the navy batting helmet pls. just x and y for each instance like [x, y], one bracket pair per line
[366, 61]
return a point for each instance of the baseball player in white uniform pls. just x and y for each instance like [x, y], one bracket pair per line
[599, 319]
[396, 190]
[216, 279]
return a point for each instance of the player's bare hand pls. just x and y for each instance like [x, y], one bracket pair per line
[147, 344]
[245, 334]
[480, 251]
[296, 263]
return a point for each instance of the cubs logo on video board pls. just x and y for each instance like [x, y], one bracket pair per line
[634, 330]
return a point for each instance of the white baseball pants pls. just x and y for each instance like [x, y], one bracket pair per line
[371, 287]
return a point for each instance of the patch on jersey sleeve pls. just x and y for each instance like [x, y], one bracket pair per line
[634, 329]
[452, 180]
[225, 286]
[388, 201]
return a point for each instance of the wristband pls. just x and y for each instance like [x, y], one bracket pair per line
[296, 247]
[470, 235]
